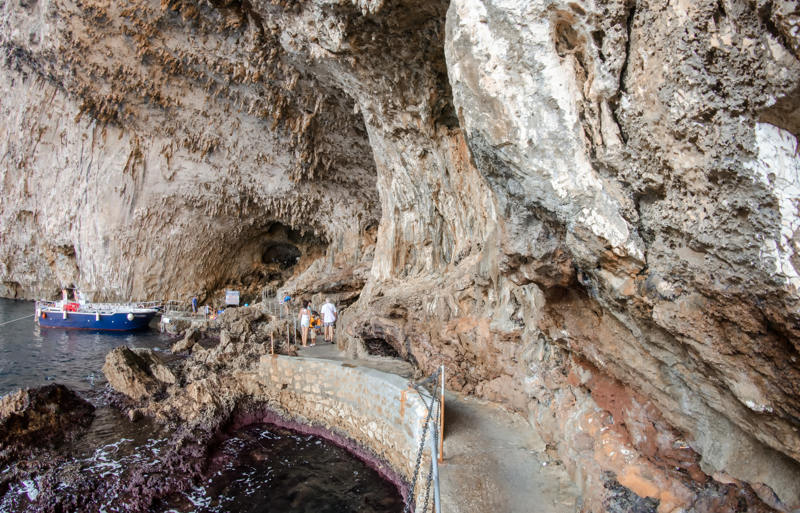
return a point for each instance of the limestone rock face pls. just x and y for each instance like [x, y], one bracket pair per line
[137, 373]
[631, 137]
[149, 151]
[586, 210]
[41, 416]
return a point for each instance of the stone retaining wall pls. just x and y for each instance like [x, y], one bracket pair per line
[376, 410]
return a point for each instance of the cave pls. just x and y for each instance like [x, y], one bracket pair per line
[445, 170]
[283, 254]
[380, 347]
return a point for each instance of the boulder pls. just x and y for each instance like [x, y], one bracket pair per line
[189, 339]
[44, 416]
[137, 373]
[224, 338]
[175, 326]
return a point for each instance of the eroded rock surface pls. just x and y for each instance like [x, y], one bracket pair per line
[136, 373]
[586, 210]
[41, 417]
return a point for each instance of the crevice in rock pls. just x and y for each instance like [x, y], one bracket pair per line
[628, 31]
[766, 13]
[785, 113]
[380, 347]
[622, 500]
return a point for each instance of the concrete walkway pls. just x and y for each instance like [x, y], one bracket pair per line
[493, 460]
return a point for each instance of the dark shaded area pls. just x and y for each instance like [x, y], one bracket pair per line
[267, 468]
[622, 500]
[281, 253]
[379, 347]
[785, 113]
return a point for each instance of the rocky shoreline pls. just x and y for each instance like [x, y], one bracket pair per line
[197, 395]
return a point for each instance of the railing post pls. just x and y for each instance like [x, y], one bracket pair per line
[437, 502]
[441, 419]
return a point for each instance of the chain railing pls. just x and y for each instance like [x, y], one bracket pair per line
[434, 422]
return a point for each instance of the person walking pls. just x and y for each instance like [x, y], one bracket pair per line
[194, 304]
[329, 315]
[305, 321]
[285, 302]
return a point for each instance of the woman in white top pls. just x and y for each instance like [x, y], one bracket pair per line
[305, 321]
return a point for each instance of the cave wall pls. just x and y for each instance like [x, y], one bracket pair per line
[586, 210]
[643, 140]
[148, 148]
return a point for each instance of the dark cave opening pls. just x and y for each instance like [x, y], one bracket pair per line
[380, 347]
[284, 254]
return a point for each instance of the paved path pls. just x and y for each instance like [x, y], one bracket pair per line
[493, 460]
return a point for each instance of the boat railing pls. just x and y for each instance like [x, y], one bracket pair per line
[47, 304]
[102, 307]
[155, 305]
[183, 309]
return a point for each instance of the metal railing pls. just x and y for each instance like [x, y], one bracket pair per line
[92, 306]
[183, 309]
[286, 316]
[286, 321]
[435, 423]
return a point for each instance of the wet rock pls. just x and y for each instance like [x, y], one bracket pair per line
[42, 416]
[138, 373]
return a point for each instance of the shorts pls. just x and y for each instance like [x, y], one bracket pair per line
[304, 323]
[328, 324]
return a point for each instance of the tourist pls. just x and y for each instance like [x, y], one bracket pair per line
[305, 321]
[329, 315]
[285, 302]
[194, 304]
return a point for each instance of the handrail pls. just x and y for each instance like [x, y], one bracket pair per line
[436, 423]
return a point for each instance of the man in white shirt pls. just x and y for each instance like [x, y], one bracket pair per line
[329, 316]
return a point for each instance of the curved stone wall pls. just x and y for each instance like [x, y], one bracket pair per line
[373, 409]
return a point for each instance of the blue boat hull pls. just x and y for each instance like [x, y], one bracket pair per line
[90, 321]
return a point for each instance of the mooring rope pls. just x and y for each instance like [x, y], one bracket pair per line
[15, 320]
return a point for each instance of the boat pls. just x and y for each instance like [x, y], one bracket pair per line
[82, 315]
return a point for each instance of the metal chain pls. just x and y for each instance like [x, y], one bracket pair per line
[430, 468]
[418, 464]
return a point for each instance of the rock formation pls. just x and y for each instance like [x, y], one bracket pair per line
[137, 373]
[189, 339]
[41, 417]
[586, 210]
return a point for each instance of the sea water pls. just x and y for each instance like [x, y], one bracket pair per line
[255, 469]
[31, 356]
